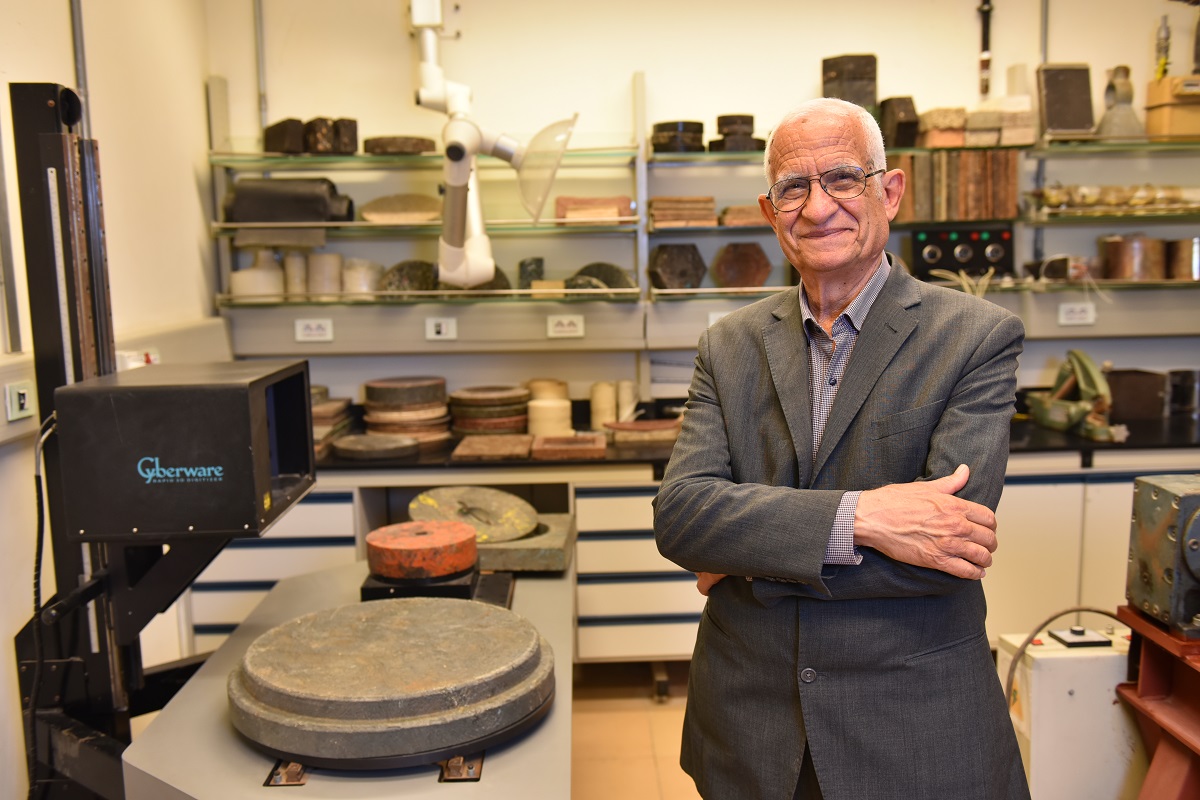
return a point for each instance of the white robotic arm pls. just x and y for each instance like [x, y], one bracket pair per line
[464, 250]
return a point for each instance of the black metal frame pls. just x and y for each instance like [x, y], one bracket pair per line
[78, 658]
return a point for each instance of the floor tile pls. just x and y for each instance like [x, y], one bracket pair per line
[614, 779]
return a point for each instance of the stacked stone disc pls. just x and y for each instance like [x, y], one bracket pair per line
[737, 135]
[483, 410]
[683, 136]
[408, 406]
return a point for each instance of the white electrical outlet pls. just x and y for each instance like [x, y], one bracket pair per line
[441, 329]
[1077, 313]
[18, 400]
[564, 326]
[314, 330]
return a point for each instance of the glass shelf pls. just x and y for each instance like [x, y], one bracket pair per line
[433, 228]
[1165, 145]
[723, 230]
[1101, 284]
[310, 162]
[740, 158]
[453, 296]
[715, 293]
[1123, 219]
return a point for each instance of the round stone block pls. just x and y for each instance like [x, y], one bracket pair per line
[392, 683]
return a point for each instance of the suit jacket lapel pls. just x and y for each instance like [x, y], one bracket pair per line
[786, 347]
[888, 324]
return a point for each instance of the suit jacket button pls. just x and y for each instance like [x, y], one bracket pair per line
[808, 674]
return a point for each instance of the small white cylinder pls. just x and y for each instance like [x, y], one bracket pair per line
[360, 278]
[550, 417]
[325, 276]
[626, 401]
[604, 404]
[257, 284]
[295, 275]
[547, 388]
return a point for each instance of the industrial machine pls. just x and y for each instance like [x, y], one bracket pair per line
[151, 473]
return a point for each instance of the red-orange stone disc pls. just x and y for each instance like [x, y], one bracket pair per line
[429, 549]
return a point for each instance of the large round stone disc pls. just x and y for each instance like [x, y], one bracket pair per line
[392, 683]
[496, 516]
[418, 550]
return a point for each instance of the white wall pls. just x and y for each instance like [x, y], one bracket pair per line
[146, 71]
[528, 63]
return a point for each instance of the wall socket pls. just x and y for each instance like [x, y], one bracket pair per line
[18, 400]
[441, 329]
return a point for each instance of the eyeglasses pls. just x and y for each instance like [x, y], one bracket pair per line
[840, 183]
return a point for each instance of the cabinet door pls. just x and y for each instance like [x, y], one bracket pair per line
[1107, 510]
[316, 533]
[1035, 570]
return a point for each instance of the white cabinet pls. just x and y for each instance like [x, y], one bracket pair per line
[316, 533]
[631, 604]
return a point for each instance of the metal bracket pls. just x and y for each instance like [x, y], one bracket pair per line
[287, 773]
[461, 768]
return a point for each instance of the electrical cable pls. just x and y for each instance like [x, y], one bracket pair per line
[1020, 653]
[31, 749]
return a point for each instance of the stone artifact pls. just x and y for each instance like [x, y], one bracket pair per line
[409, 276]
[610, 275]
[496, 447]
[405, 391]
[900, 123]
[285, 136]
[585, 446]
[318, 135]
[584, 282]
[286, 200]
[345, 136]
[736, 144]
[530, 270]
[416, 550]
[402, 209]
[495, 515]
[677, 137]
[851, 78]
[735, 124]
[676, 266]
[398, 145]
[740, 264]
[392, 683]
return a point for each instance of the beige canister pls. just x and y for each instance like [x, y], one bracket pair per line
[325, 276]
[1183, 259]
[1135, 257]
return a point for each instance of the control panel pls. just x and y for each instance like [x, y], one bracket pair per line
[970, 247]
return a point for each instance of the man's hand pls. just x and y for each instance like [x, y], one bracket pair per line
[706, 580]
[924, 524]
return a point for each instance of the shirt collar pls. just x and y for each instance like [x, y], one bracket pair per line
[856, 312]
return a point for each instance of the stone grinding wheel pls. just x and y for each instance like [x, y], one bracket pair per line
[392, 683]
[496, 516]
[434, 549]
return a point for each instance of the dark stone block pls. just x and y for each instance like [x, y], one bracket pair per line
[318, 135]
[285, 136]
[530, 270]
[850, 78]
[345, 136]
[740, 264]
[676, 266]
[899, 122]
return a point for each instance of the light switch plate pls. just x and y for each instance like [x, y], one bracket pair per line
[18, 400]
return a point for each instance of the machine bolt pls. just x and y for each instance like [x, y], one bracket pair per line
[1196, 620]
[1193, 544]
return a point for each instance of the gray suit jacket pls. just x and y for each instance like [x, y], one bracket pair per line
[883, 668]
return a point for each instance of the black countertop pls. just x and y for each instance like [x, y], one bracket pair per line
[1175, 432]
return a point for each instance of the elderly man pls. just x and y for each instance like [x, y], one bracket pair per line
[833, 487]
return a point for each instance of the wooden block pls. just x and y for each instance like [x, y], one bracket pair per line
[330, 409]
[496, 447]
[548, 288]
[566, 448]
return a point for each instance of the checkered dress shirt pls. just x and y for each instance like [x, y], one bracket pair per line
[829, 358]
